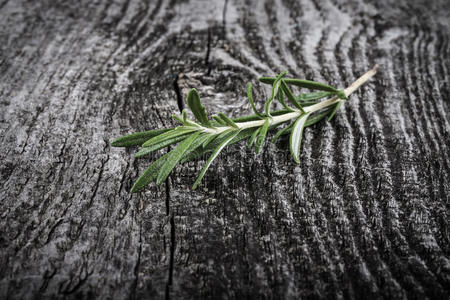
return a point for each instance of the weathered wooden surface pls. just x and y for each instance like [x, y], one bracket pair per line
[365, 215]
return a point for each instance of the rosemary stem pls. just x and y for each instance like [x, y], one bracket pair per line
[295, 114]
[353, 87]
[361, 80]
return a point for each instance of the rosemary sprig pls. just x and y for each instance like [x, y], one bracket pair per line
[203, 135]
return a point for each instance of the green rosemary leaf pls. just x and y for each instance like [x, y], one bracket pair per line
[280, 98]
[309, 84]
[247, 118]
[214, 123]
[214, 143]
[313, 119]
[213, 156]
[184, 120]
[196, 153]
[182, 130]
[196, 148]
[266, 80]
[308, 103]
[220, 121]
[147, 150]
[225, 133]
[227, 120]
[313, 85]
[262, 136]
[336, 107]
[253, 137]
[198, 142]
[208, 140]
[149, 175]
[174, 157]
[180, 120]
[314, 96]
[242, 135]
[281, 132]
[137, 139]
[296, 137]
[290, 96]
[197, 108]
[211, 145]
[275, 88]
[250, 99]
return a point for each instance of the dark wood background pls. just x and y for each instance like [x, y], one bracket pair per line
[365, 215]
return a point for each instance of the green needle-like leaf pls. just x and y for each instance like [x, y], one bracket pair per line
[213, 156]
[262, 136]
[227, 120]
[295, 140]
[198, 143]
[336, 107]
[137, 139]
[308, 103]
[174, 157]
[281, 132]
[220, 121]
[242, 135]
[147, 150]
[290, 96]
[275, 88]
[208, 140]
[225, 133]
[280, 98]
[313, 119]
[314, 96]
[309, 84]
[180, 120]
[150, 174]
[169, 135]
[197, 108]
[250, 99]
[210, 145]
[253, 137]
[196, 147]
[184, 119]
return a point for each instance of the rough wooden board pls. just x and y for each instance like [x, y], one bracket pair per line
[366, 214]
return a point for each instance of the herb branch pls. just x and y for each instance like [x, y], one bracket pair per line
[204, 135]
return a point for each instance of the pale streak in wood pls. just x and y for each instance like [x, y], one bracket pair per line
[366, 214]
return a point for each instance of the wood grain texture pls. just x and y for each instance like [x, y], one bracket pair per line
[365, 215]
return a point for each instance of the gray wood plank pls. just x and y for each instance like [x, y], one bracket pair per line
[365, 214]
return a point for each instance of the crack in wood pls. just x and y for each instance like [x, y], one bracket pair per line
[177, 90]
[208, 53]
[172, 243]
